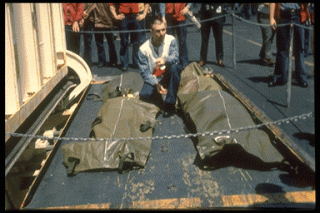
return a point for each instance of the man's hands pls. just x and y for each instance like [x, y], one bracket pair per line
[75, 27]
[160, 61]
[141, 16]
[161, 89]
[185, 10]
[120, 16]
[273, 23]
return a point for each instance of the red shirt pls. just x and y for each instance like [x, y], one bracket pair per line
[128, 8]
[72, 12]
[174, 9]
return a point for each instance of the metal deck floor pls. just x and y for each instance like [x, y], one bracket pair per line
[171, 173]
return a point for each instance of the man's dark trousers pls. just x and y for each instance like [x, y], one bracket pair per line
[171, 79]
[283, 42]
[130, 22]
[217, 28]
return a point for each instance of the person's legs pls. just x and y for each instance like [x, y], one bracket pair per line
[183, 49]
[217, 28]
[149, 94]
[174, 72]
[299, 52]
[283, 38]
[100, 46]
[87, 38]
[205, 33]
[112, 49]
[124, 48]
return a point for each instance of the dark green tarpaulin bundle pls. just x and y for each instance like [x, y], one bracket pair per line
[119, 117]
[193, 80]
[212, 109]
[127, 83]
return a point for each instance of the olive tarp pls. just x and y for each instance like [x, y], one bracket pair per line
[120, 116]
[207, 108]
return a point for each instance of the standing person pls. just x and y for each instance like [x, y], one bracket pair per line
[102, 19]
[286, 13]
[129, 15]
[268, 33]
[307, 32]
[175, 16]
[87, 23]
[143, 12]
[207, 11]
[72, 15]
[159, 51]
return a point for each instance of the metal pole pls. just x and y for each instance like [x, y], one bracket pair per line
[233, 41]
[290, 66]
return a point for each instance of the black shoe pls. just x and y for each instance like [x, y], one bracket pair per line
[112, 64]
[303, 84]
[124, 69]
[275, 82]
[101, 64]
[169, 113]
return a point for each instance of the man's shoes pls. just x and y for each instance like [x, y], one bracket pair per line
[267, 62]
[169, 110]
[275, 82]
[124, 69]
[168, 113]
[112, 64]
[303, 84]
[101, 64]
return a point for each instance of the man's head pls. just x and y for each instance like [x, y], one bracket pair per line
[158, 31]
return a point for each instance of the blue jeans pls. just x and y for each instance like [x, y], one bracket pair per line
[170, 81]
[129, 23]
[283, 43]
[182, 39]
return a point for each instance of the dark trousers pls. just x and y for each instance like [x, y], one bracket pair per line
[72, 40]
[130, 22]
[267, 36]
[181, 33]
[87, 37]
[283, 42]
[217, 27]
[170, 81]
[99, 42]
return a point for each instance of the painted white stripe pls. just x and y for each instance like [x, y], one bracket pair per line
[225, 108]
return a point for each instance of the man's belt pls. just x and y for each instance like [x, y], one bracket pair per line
[287, 14]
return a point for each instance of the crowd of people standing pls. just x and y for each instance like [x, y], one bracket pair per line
[132, 16]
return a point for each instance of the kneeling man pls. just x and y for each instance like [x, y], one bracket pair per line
[159, 68]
